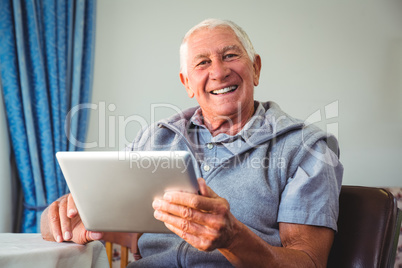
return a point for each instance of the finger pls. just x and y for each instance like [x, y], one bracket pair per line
[185, 199]
[184, 225]
[65, 221]
[195, 236]
[203, 203]
[54, 220]
[94, 235]
[205, 189]
[185, 212]
[81, 235]
[71, 208]
[184, 234]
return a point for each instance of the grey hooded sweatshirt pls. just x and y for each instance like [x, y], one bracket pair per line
[286, 171]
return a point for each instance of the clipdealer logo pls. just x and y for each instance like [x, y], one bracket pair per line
[331, 113]
[113, 125]
[117, 125]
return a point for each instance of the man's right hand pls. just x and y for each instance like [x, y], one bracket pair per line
[61, 222]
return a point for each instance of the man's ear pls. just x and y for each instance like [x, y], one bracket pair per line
[257, 69]
[184, 81]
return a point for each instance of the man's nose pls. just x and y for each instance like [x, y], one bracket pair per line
[218, 70]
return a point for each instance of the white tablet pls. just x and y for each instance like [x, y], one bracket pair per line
[114, 191]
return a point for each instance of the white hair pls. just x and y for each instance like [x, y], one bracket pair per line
[210, 24]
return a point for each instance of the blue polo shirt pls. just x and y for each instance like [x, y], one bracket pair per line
[216, 150]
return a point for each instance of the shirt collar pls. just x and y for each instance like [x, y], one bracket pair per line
[254, 123]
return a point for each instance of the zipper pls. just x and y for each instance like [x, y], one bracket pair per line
[194, 155]
[184, 138]
[179, 253]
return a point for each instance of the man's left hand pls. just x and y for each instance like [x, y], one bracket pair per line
[204, 221]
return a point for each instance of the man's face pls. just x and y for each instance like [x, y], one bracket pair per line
[220, 74]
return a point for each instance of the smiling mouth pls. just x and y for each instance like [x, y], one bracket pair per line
[224, 90]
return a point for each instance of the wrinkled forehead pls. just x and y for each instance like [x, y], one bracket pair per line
[208, 38]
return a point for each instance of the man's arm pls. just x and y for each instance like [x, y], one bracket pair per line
[206, 223]
[303, 246]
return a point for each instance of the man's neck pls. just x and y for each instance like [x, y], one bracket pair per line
[230, 125]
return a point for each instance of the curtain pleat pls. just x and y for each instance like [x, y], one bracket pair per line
[77, 68]
[49, 33]
[62, 59]
[44, 53]
[13, 103]
[24, 50]
[87, 67]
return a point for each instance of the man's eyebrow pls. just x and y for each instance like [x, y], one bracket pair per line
[232, 47]
[200, 56]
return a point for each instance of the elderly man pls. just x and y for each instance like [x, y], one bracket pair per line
[269, 186]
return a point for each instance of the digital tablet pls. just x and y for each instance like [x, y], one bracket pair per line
[114, 191]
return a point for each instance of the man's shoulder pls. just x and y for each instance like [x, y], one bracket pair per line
[159, 134]
[180, 115]
[283, 122]
[296, 132]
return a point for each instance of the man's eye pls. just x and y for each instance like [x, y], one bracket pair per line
[229, 56]
[202, 62]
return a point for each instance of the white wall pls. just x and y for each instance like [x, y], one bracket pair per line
[314, 53]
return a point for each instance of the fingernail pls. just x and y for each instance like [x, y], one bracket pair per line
[71, 212]
[156, 204]
[96, 235]
[157, 214]
[67, 236]
[59, 239]
[167, 197]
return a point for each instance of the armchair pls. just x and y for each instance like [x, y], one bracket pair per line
[368, 230]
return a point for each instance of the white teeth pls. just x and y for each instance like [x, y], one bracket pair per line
[224, 90]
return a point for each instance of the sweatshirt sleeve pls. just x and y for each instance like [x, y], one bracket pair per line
[311, 195]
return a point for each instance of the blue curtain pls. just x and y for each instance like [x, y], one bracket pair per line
[46, 64]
